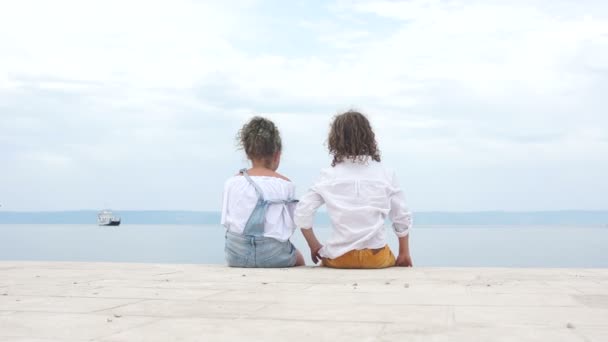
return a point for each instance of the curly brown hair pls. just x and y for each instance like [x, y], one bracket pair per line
[351, 137]
[260, 139]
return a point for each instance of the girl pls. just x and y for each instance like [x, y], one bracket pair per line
[258, 204]
[359, 194]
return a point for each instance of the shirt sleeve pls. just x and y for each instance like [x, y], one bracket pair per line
[307, 207]
[223, 220]
[399, 214]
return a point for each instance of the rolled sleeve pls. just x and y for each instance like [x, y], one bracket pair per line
[399, 214]
[400, 231]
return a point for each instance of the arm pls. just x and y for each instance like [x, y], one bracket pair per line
[304, 216]
[404, 258]
[402, 222]
[313, 243]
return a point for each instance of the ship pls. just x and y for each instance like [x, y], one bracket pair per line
[107, 218]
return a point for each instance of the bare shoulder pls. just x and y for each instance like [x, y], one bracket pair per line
[278, 175]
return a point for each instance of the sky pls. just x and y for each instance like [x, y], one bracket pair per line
[477, 105]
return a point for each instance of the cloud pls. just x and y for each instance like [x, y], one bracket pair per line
[147, 97]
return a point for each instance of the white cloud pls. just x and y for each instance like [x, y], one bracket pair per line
[138, 93]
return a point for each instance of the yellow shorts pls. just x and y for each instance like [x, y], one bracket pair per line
[363, 258]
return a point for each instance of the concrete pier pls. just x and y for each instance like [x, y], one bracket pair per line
[52, 301]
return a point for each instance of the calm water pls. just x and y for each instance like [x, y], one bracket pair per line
[533, 246]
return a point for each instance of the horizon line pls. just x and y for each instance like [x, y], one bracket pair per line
[320, 211]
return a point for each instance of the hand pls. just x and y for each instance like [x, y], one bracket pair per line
[313, 243]
[404, 260]
[314, 254]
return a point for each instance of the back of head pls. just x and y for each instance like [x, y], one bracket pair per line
[351, 137]
[260, 139]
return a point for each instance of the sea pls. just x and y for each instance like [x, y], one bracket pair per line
[575, 246]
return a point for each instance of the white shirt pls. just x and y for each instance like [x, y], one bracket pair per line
[240, 198]
[359, 197]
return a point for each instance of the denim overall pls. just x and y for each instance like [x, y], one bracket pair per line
[252, 248]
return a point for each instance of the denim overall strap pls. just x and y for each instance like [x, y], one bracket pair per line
[289, 201]
[258, 190]
[255, 223]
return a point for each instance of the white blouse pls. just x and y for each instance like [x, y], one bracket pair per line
[359, 198]
[240, 198]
